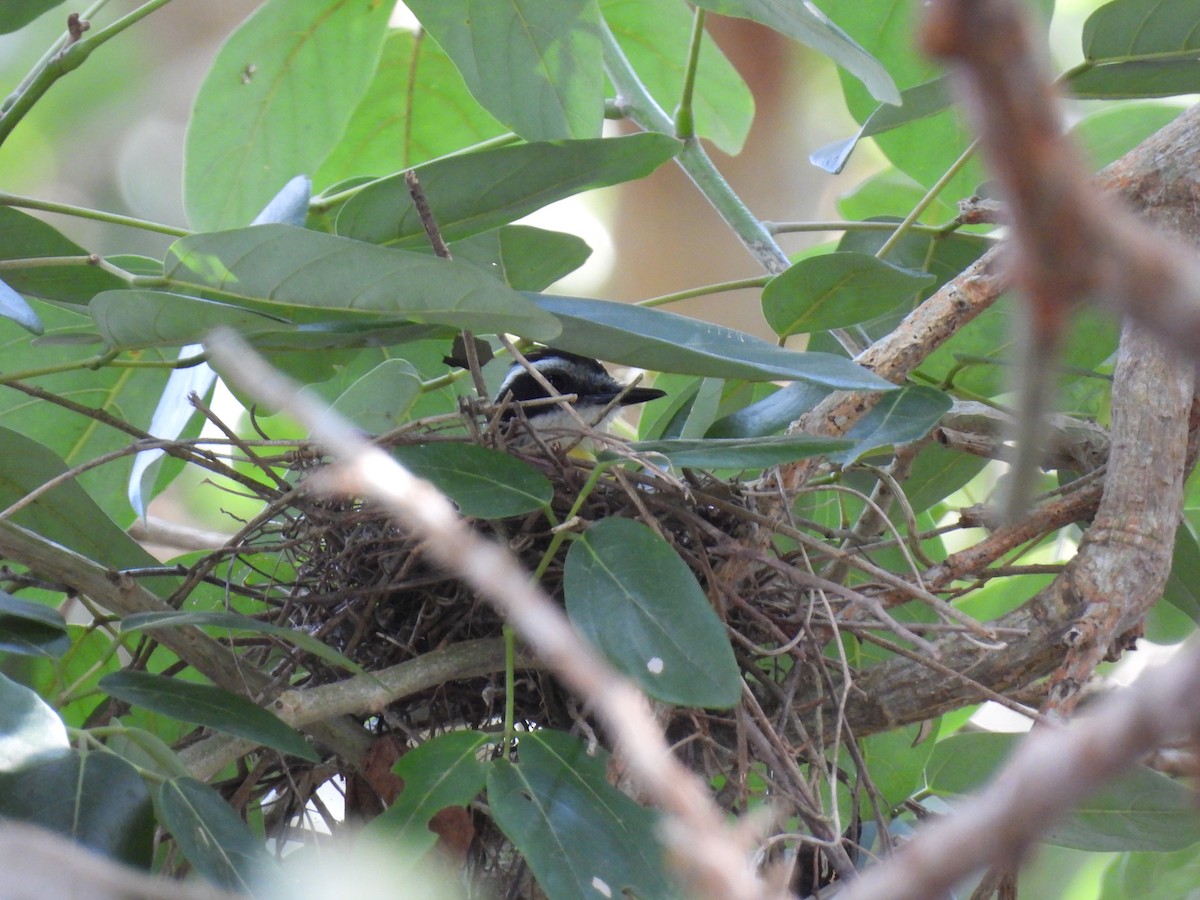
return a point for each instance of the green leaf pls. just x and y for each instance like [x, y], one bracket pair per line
[534, 64]
[1153, 876]
[381, 399]
[835, 290]
[275, 102]
[78, 439]
[474, 192]
[1136, 80]
[209, 706]
[580, 835]
[770, 415]
[631, 595]
[211, 835]
[898, 418]
[31, 629]
[486, 484]
[24, 237]
[399, 122]
[896, 764]
[134, 319]
[917, 102]
[1128, 29]
[1182, 592]
[1139, 48]
[808, 25]
[147, 751]
[925, 148]
[655, 35]
[30, 731]
[937, 473]
[445, 770]
[1141, 810]
[96, 799]
[523, 257]
[980, 349]
[16, 14]
[1108, 134]
[310, 277]
[666, 342]
[236, 622]
[66, 514]
[742, 453]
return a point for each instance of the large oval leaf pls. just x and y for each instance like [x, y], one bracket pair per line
[30, 731]
[66, 514]
[414, 110]
[474, 192]
[96, 799]
[523, 257]
[206, 705]
[580, 835]
[23, 236]
[30, 629]
[533, 64]
[632, 596]
[211, 835]
[834, 290]
[666, 342]
[907, 415]
[306, 276]
[16, 14]
[486, 484]
[275, 102]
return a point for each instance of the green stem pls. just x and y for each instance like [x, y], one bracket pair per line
[50, 262]
[510, 690]
[910, 220]
[71, 57]
[664, 299]
[54, 48]
[94, 362]
[96, 215]
[685, 122]
[642, 109]
[839, 225]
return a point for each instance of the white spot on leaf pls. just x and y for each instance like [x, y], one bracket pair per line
[655, 665]
[601, 886]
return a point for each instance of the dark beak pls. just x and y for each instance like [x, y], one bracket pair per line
[630, 398]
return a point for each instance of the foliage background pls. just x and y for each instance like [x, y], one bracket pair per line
[111, 139]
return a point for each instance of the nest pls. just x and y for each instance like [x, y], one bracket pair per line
[367, 589]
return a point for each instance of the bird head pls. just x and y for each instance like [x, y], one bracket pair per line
[597, 395]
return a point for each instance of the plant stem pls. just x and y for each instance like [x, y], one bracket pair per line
[685, 123]
[909, 221]
[637, 104]
[70, 57]
[664, 299]
[81, 212]
[510, 687]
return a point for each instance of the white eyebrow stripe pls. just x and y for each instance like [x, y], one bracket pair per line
[547, 366]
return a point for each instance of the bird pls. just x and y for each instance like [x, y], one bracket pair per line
[597, 396]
